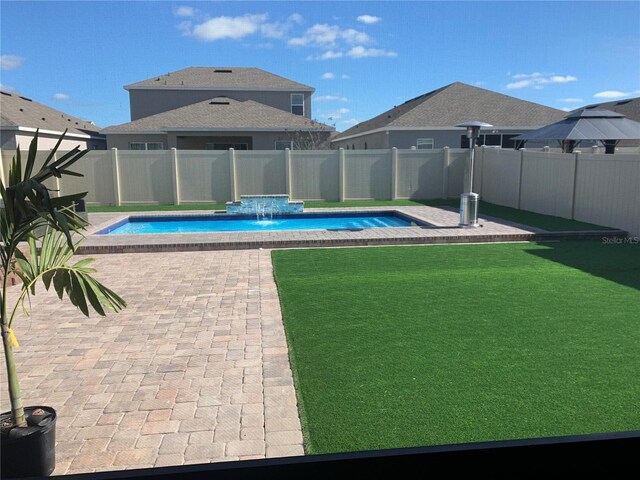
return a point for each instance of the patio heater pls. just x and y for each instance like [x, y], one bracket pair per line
[469, 200]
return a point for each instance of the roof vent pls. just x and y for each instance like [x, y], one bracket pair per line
[43, 118]
[22, 109]
[27, 99]
[223, 71]
[219, 102]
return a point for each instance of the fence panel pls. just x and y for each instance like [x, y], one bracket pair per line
[608, 191]
[501, 177]
[315, 175]
[260, 172]
[458, 166]
[146, 176]
[368, 174]
[420, 174]
[547, 183]
[204, 176]
[98, 182]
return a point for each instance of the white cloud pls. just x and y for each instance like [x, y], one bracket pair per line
[344, 76]
[330, 98]
[328, 55]
[220, 28]
[615, 94]
[185, 11]
[336, 115]
[368, 19]
[296, 18]
[350, 122]
[566, 109]
[61, 96]
[537, 80]
[10, 62]
[328, 76]
[9, 89]
[572, 100]
[362, 52]
[328, 36]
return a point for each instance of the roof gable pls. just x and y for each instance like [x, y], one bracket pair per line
[18, 111]
[220, 113]
[457, 103]
[220, 78]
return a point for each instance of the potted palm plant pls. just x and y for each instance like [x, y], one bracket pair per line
[39, 235]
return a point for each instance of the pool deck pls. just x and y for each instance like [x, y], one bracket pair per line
[196, 368]
[444, 220]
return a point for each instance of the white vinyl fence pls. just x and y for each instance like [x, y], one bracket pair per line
[591, 187]
[124, 177]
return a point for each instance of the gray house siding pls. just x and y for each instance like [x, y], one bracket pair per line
[198, 140]
[409, 138]
[371, 141]
[149, 102]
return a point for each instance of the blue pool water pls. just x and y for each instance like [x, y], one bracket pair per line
[236, 223]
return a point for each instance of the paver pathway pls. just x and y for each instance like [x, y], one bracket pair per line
[194, 370]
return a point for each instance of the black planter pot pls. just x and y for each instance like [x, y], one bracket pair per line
[29, 451]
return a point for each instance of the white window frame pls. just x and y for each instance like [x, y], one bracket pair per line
[425, 144]
[289, 142]
[297, 104]
[146, 145]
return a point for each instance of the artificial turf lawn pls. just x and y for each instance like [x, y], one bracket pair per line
[405, 346]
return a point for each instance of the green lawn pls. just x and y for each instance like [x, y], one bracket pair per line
[546, 222]
[406, 346]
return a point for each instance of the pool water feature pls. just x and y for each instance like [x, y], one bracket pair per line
[236, 223]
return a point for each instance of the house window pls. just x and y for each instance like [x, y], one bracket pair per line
[297, 104]
[283, 144]
[146, 146]
[493, 140]
[226, 146]
[424, 143]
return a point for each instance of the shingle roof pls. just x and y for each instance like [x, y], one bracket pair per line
[629, 107]
[17, 111]
[220, 113]
[457, 103]
[221, 78]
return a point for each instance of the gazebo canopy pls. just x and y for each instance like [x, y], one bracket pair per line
[587, 124]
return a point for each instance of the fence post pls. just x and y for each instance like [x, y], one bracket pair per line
[58, 186]
[287, 171]
[445, 172]
[341, 175]
[478, 169]
[394, 172]
[232, 171]
[116, 177]
[575, 182]
[176, 176]
[522, 153]
[2, 175]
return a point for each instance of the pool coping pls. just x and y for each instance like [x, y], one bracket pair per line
[444, 229]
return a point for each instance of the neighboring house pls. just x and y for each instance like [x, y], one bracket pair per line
[20, 117]
[219, 124]
[218, 108]
[428, 121]
[629, 107]
[196, 84]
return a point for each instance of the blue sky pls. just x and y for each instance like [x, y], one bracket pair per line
[362, 57]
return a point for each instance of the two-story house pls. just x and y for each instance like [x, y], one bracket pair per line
[219, 108]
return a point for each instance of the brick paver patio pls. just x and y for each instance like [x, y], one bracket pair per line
[194, 370]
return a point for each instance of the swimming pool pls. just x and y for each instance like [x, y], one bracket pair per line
[136, 225]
